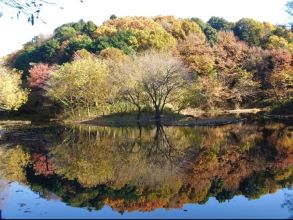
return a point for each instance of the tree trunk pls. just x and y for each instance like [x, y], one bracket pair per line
[156, 142]
[88, 111]
[72, 111]
[157, 114]
[138, 117]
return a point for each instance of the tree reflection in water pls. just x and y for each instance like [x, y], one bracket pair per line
[145, 168]
[288, 203]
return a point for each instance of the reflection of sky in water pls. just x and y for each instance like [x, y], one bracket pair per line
[165, 167]
[21, 202]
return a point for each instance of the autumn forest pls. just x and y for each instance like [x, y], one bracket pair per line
[151, 64]
[148, 117]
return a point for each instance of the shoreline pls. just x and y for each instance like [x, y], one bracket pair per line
[207, 119]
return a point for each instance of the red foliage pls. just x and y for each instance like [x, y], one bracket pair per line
[42, 164]
[281, 59]
[39, 73]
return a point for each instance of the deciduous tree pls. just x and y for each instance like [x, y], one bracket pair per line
[79, 84]
[12, 96]
[197, 54]
[148, 33]
[39, 74]
[250, 31]
[220, 24]
[162, 77]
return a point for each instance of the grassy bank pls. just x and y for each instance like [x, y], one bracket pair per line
[170, 119]
[189, 117]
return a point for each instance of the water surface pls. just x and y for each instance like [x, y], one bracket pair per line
[234, 171]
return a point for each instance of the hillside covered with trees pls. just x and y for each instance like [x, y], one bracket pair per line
[151, 64]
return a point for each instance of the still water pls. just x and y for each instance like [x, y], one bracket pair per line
[234, 171]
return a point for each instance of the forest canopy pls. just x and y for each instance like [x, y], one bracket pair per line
[224, 65]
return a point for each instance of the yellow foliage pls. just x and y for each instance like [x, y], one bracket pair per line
[200, 64]
[199, 195]
[82, 82]
[113, 54]
[92, 174]
[277, 42]
[13, 162]
[268, 27]
[286, 142]
[148, 33]
[179, 28]
[82, 54]
[282, 83]
[105, 30]
[290, 47]
[12, 96]
[283, 174]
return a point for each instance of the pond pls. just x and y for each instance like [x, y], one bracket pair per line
[243, 170]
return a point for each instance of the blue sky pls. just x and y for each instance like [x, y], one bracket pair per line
[17, 32]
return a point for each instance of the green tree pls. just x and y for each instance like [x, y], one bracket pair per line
[79, 26]
[250, 31]
[24, 58]
[123, 40]
[35, 52]
[200, 22]
[65, 32]
[77, 43]
[89, 28]
[48, 51]
[113, 16]
[209, 31]
[211, 34]
[282, 31]
[220, 23]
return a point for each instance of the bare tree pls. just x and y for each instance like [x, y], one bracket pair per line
[152, 78]
[162, 75]
[126, 82]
